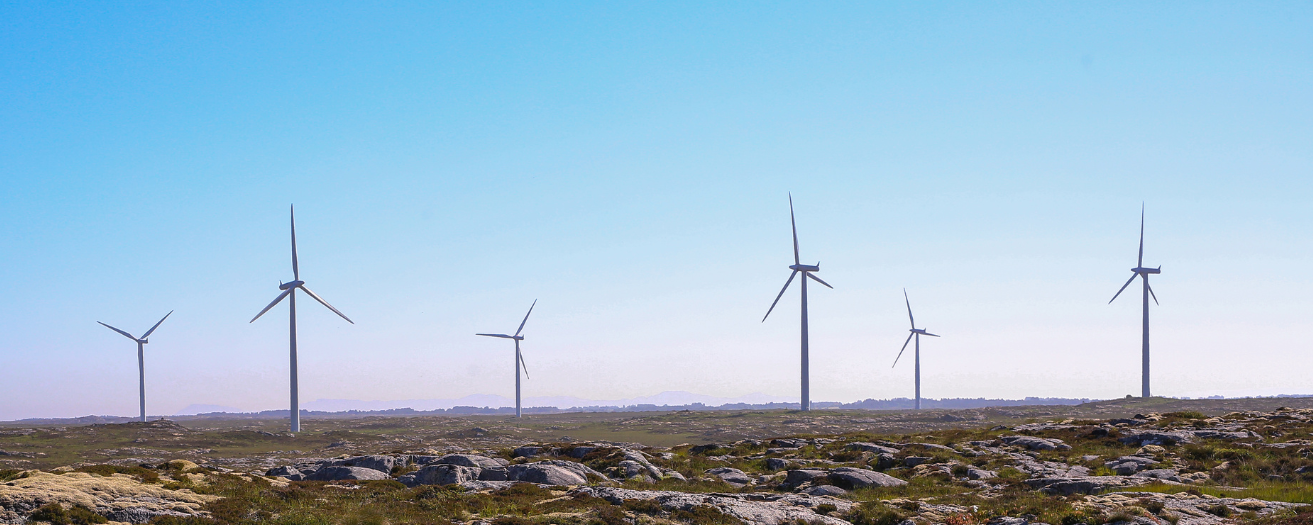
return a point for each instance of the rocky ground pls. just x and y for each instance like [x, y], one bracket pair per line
[1181, 467]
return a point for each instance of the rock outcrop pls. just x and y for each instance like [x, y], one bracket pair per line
[117, 497]
[762, 508]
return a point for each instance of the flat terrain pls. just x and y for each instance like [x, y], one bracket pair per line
[246, 444]
[1122, 462]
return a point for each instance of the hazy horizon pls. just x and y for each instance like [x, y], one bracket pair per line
[628, 166]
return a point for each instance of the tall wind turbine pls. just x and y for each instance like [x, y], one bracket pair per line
[519, 361]
[917, 333]
[1143, 273]
[807, 272]
[289, 291]
[141, 357]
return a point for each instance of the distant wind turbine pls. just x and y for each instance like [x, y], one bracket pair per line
[917, 333]
[289, 291]
[141, 357]
[1143, 273]
[806, 270]
[519, 361]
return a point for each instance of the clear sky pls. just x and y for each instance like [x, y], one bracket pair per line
[628, 166]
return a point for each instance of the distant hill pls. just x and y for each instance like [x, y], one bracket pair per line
[497, 405]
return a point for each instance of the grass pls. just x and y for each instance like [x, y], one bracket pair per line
[1289, 492]
[248, 501]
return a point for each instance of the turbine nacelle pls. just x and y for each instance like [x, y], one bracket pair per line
[1147, 270]
[289, 285]
[804, 268]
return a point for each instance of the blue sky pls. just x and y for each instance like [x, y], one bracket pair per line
[628, 165]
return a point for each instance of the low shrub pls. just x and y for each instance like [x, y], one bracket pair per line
[611, 516]
[644, 506]
[1219, 510]
[58, 515]
[704, 515]
[874, 513]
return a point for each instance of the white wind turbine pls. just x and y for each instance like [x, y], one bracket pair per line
[1143, 273]
[289, 291]
[141, 357]
[519, 361]
[917, 333]
[806, 271]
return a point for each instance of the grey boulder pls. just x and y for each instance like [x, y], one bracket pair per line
[470, 460]
[913, 461]
[288, 472]
[1127, 465]
[794, 478]
[825, 490]
[862, 446]
[1154, 437]
[633, 469]
[857, 478]
[441, 474]
[884, 461]
[335, 473]
[1035, 443]
[978, 473]
[382, 464]
[729, 475]
[1164, 474]
[551, 472]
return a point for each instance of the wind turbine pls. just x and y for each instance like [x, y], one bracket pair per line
[289, 291]
[519, 361]
[917, 333]
[806, 270]
[141, 357]
[1143, 273]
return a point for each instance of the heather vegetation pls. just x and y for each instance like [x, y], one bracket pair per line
[1184, 467]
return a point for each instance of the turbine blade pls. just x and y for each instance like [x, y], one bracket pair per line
[930, 334]
[157, 325]
[1140, 261]
[1151, 294]
[909, 309]
[125, 334]
[794, 223]
[271, 305]
[520, 358]
[503, 336]
[818, 279]
[296, 271]
[325, 303]
[1119, 292]
[900, 352]
[777, 298]
[526, 319]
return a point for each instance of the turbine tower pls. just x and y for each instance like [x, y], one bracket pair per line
[1143, 273]
[141, 357]
[917, 333]
[519, 361]
[289, 291]
[807, 272]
